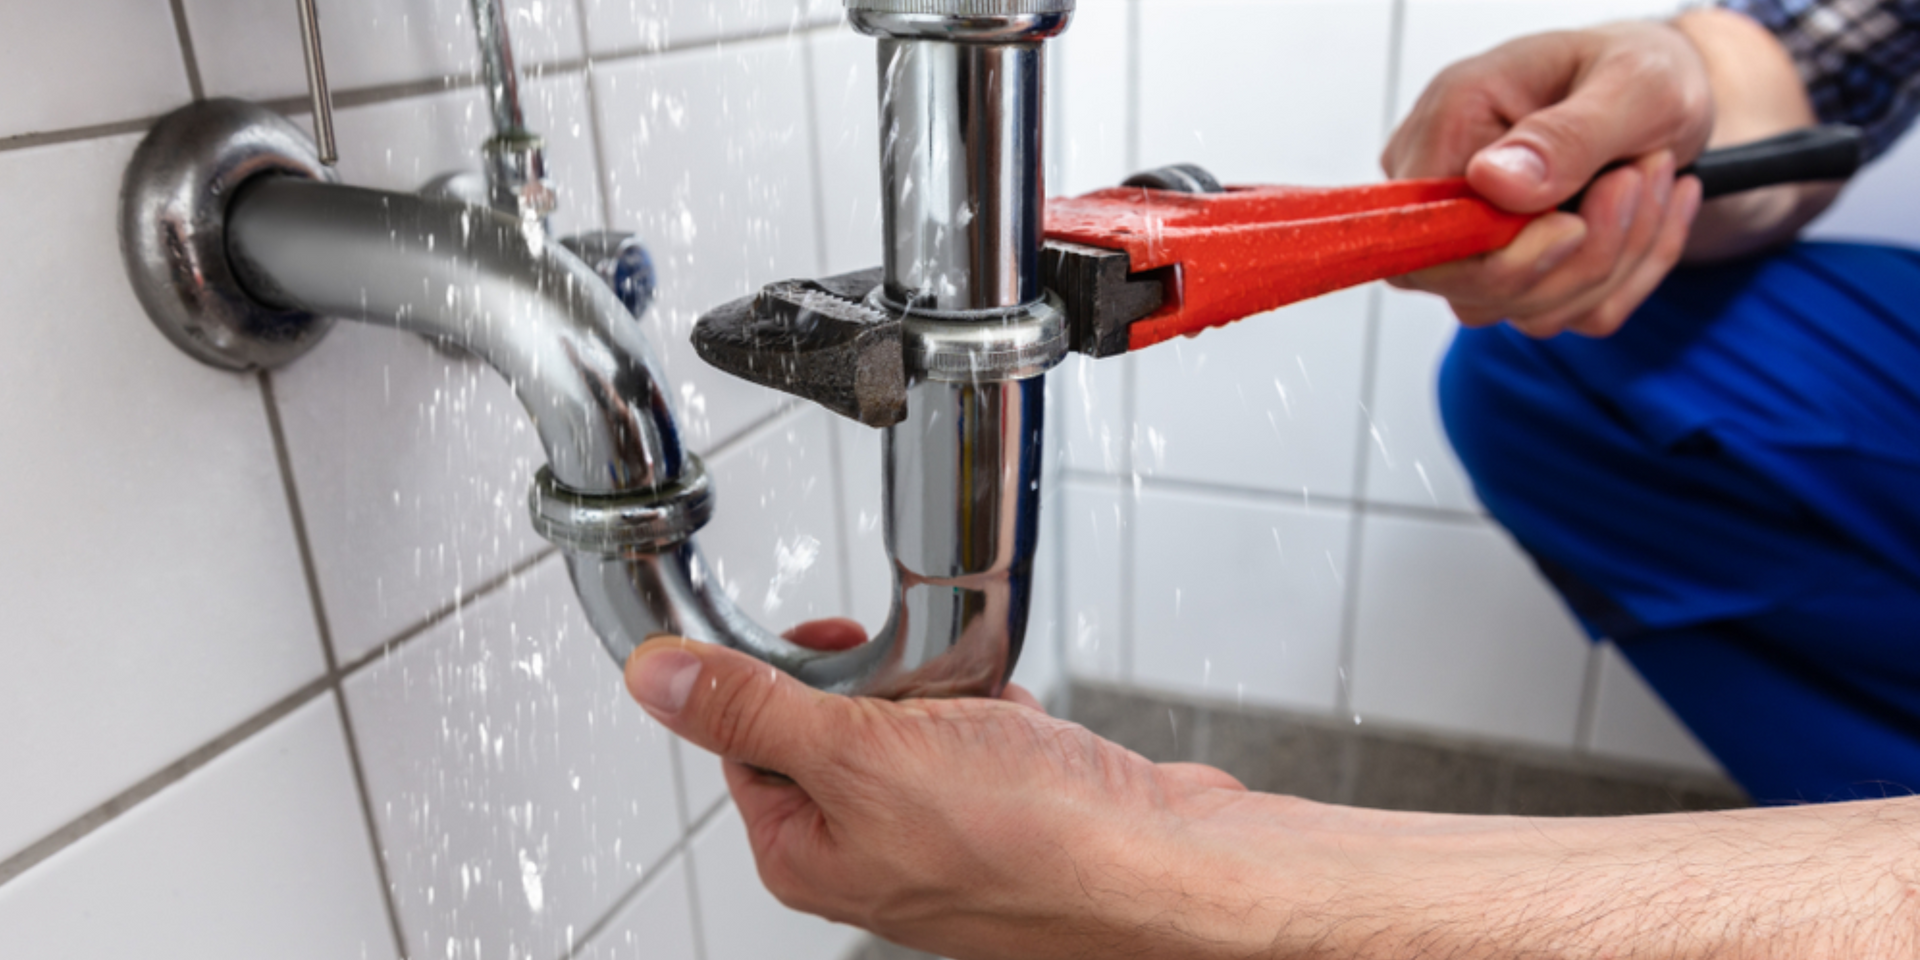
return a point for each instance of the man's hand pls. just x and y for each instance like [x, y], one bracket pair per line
[985, 829]
[962, 826]
[1530, 124]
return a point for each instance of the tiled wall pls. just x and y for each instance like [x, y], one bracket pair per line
[289, 675]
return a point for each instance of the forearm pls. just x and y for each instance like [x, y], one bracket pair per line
[1757, 93]
[1838, 881]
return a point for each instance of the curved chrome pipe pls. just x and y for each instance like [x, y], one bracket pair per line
[962, 474]
[488, 283]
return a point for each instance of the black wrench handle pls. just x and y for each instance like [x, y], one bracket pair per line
[1832, 152]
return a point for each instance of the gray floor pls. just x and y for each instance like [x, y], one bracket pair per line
[1367, 766]
[1319, 759]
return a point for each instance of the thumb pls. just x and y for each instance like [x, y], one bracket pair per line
[731, 704]
[1553, 153]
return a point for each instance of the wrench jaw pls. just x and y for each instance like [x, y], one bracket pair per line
[817, 340]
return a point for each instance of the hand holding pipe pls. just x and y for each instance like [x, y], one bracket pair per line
[1173, 253]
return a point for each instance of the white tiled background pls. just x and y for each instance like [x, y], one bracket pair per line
[288, 675]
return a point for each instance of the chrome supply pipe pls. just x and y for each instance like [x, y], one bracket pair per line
[516, 157]
[497, 73]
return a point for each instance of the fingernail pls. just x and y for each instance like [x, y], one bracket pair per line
[1663, 181]
[1558, 253]
[1630, 203]
[665, 679]
[1520, 160]
[1693, 206]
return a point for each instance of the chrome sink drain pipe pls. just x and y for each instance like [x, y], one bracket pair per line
[962, 98]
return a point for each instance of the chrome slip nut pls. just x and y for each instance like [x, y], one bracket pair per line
[647, 522]
[961, 21]
[1012, 345]
[963, 8]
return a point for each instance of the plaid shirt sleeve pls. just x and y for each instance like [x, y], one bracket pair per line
[1860, 59]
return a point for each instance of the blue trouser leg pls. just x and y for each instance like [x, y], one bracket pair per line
[1731, 489]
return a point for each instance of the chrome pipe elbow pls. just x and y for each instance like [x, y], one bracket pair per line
[483, 281]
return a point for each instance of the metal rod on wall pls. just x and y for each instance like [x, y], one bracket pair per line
[317, 82]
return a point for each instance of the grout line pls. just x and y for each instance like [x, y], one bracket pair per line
[1369, 388]
[1129, 510]
[388, 93]
[816, 172]
[1357, 523]
[623, 901]
[1285, 498]
[308, 569]
[1133, 144]
[753, 431]
[98, 131]
[1583, 730]
[695, 920]
[310, 572]
[67, 834]
[700, 949]
[682, 848]
[1062, 628]
[547, 69]
[1396, 54]
[79, 827]
[446, 611]
[188, 59]
[678, 764]
[602, 171]
[843, 531]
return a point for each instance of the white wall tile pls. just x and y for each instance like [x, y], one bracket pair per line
[261, 853]
[1239, 599]
[401, 144]
[621, 26]
[1094, 540]
[864, 538]
[703, 779]
[828, 12]
[1410, 461]
[84, 62]
[414, 468]
[740, 919]
[1265, 91]
[252, 50]
[518, 789]
[1040, 669]
[846, 93]
[776, 513]
[1092, 63]
[774, 542]
[1631, 722]
[1438, 32]
[658, 925]
[149, 572]
[1457, 632]
[1269, 403]
[708, 158]
[1087, 422]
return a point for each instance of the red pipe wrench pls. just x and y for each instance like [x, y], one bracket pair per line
[1174, 254]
